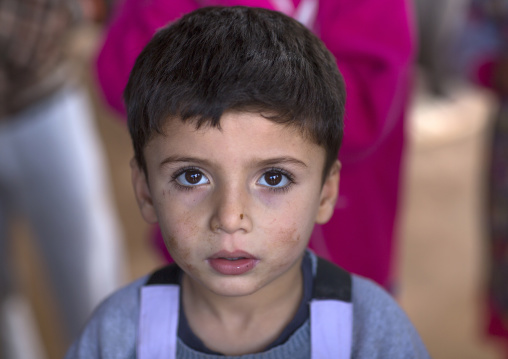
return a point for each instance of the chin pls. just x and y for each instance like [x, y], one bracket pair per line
[234, 287]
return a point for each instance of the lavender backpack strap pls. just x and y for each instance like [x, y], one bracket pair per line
[331, 313]
[158, 318]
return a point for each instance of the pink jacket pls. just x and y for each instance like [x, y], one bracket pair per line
[373, 43]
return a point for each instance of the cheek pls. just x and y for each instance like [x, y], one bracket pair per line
[177, 250]
[285, 245]
[287, 236]
[179, 233]
[290, 227]
[180, 212]
[181, 251]
[180, 226]
[285, 239]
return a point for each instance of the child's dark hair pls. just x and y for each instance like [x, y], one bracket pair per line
[236, 58]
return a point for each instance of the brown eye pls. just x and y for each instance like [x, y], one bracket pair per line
[193, 177]
[273, 178]
[276, 179]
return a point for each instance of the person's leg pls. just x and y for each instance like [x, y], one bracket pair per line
[67, 200]
[19, 337]
[5, 267]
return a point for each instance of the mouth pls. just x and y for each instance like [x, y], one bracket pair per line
[232, 263]
[232, 255]
[232, 259]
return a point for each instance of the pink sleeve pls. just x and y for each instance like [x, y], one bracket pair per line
[373, 42]
[130, 30]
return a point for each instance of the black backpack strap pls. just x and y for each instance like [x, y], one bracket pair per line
[331, 282]
[169, 274]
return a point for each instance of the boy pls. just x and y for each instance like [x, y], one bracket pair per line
[236, 120]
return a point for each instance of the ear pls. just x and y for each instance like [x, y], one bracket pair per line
[329, 194]
[142, 192]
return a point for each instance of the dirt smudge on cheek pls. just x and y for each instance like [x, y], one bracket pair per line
[183, 241]
[177, 250]
[189, 268]
[190, 225]
[172, 244]
[285, 242]
[287, 236]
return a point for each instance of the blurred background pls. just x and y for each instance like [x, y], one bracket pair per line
[442, 256]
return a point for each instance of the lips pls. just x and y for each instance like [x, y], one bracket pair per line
[232, 263]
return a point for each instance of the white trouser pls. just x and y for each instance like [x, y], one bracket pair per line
[52, 173]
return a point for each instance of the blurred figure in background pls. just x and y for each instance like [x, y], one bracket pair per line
[485, 61]
[440, 23]
[52, 173]
[374, 41]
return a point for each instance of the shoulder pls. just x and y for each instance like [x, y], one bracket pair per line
[380, 327]
[111, 330]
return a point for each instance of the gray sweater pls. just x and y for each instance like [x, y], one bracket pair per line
[380, 330]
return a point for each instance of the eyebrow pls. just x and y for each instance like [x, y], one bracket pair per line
[261, 163]
[173, 159]
[281, 160]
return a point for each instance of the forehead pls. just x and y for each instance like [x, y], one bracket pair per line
[239, 135]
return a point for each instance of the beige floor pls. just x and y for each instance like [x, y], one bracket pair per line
[442, 245]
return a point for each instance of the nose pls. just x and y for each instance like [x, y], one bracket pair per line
[231, 210]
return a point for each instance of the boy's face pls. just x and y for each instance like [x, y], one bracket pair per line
[236, 206]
